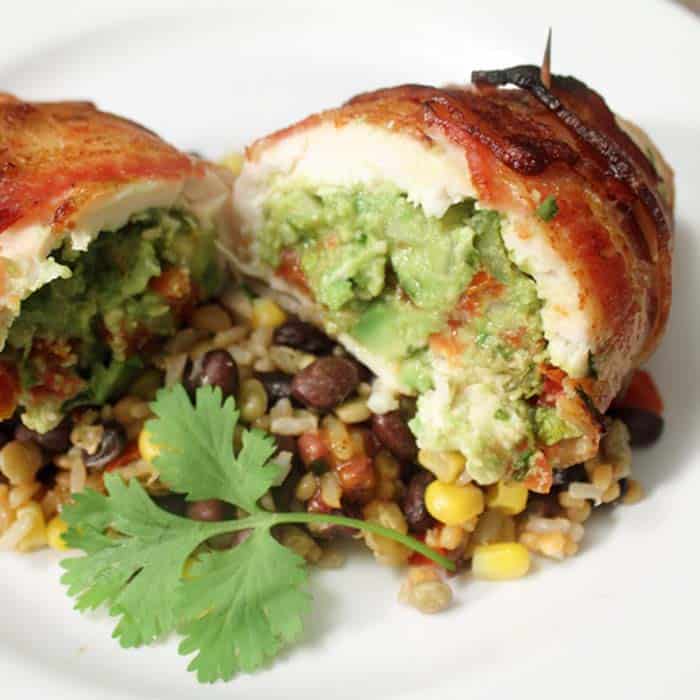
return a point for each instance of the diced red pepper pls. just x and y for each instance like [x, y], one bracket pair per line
[642, 393]
[290, 270]
[418, 559]
[482, 287]
[552, 385]
[312, 448]
[539, 478]
[130, 454]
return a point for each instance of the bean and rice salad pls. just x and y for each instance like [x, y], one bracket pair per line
[338, 456]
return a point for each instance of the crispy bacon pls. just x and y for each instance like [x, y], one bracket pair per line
[613, 228]
[57, 157]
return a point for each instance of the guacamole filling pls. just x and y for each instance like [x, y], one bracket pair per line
[439, 301]
[82, 337]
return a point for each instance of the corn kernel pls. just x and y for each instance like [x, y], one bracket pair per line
[453, 505]
[602, 476]
[147, 448]
[55, 530]
[35, 537]
[612, 493]
[267, 314]
[510, 497]
[581, 513]
[446, 465]
[634, 492]
[20, 461]
[501, 561]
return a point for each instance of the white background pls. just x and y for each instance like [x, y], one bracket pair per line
[618, 621]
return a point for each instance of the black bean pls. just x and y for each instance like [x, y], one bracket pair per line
[417, 516]
[209, 510]
[564, 477]
[363, 372]
[326, 382]
[7, 427]
[391, 430]
[111, 446]
[286, 443]
[215, 368]
[302, 336]
[172, 502]
[278, 385]
[55, 440]
[283, 495]
[645, 427]
[624, 486]
[47, 475]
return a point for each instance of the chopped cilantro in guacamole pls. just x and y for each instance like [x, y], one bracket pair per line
[437, 299]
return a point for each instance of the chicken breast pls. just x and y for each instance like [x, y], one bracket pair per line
[106, 234]
[502, 254]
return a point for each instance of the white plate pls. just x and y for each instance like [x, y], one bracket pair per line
[620, 619]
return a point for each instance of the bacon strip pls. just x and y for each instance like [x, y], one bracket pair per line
[55, 158]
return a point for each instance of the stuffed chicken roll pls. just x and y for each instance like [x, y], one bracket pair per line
[500, 253]
[107, 238]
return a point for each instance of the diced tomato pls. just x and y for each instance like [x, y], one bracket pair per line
[9, 390]
[553, 385]
[57, 383]
[514, 337]
[290, 270]
[482, 287]
[175, 285]
[446, 344]
[131, 454]
[539, 478]
[642, 393]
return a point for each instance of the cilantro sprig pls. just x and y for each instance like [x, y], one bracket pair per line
[236, 608]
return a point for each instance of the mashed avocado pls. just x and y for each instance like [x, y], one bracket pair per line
[101, 311]
[438, 299]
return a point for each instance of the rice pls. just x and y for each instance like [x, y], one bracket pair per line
[355, 475]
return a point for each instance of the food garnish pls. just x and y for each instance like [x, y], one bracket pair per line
[235, 608]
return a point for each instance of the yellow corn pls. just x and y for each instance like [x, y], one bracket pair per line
[55, 530]
[36, 536]
[147, 448]
[634, 492]
[446, 465]
[500, 561]
[267, 314]
[510, 497]
[453, 505]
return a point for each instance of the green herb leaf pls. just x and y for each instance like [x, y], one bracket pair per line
[548, 209]
[242, 606]
[235, 608]
[197, 449]
[136, 571]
